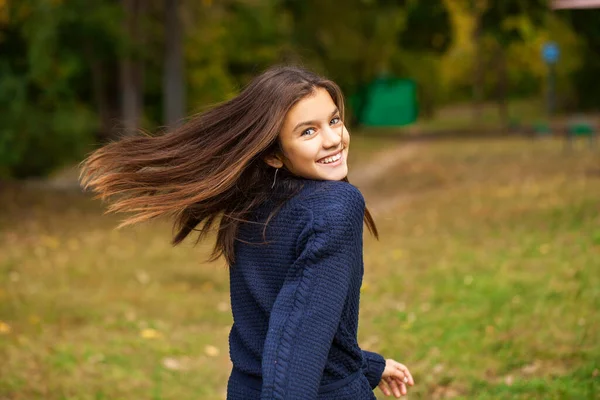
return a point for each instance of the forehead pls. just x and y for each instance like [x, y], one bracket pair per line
[315, 107]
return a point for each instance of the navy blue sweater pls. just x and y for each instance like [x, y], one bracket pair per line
[295, 300]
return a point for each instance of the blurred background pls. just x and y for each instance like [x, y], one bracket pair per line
[474, 140]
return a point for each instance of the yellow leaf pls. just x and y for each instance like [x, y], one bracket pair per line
[150, 333]
[4, 328]
[211, 351]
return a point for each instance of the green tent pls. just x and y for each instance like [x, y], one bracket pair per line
[387, 102]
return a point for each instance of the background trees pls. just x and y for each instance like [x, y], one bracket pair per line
[76, 73]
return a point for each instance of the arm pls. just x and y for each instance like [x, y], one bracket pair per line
[373, 367]
[307, 311]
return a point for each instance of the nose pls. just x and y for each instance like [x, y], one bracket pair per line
[332, 137]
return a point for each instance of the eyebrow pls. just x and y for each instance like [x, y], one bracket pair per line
[314, 122]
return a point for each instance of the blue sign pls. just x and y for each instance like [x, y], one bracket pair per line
[550, 52]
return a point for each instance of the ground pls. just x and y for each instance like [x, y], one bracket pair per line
[485, 281]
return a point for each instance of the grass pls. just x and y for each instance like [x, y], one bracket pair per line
[524, 115]
[486, 283]
[460, 117]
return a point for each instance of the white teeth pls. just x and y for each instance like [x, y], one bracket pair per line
[331, 159]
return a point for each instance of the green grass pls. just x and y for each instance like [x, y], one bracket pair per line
[486, 283]
[460, 117]
[523, 114]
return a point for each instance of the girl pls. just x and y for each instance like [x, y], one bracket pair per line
[269, 169]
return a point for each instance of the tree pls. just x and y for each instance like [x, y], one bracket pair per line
[352, 43]
[477, 7]
[427, 27]
[131, 65]
[425, 36]
[501, 21]
[585, 23]
[48, 98]
[173, 83]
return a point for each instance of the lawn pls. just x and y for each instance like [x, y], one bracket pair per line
[485, 282]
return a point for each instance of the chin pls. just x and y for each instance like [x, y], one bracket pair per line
[335, 175]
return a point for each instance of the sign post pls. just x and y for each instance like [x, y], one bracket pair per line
[550, 54]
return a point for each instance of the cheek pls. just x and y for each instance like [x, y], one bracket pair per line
[346, 138]
[301, 153]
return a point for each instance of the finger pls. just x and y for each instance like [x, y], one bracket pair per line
[407, 374]
[402, 386]
[383, 386]
[398, 374]
[395, 389]
[403, 389]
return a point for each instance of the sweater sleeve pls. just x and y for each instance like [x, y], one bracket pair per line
[308, 308]
[373, 366]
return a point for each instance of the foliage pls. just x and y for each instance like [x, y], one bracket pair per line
[523, 36]
[44, 84]
[585, 23]
[428, 27]
[328, 36]
[509, 21]
[221, 60]
[59, 68]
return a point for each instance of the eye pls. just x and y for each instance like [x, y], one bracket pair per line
[306, 132]
[334, 121]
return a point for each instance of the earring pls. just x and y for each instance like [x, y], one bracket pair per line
[275, 178]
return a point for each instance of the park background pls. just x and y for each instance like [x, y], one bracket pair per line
[486, 279]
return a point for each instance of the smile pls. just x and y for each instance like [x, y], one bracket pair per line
[332, 159]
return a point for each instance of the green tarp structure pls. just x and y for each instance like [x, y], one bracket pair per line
[386, 102]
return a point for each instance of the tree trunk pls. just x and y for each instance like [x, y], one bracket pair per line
[502, 87]
[477, 84]
[173, 75]
[101, 98]
[103, 93]
[132, 68]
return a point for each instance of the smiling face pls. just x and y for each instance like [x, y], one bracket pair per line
[314, 139]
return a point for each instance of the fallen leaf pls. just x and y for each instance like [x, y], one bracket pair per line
[172, 363]
[211, 351]
[4, 328]
[150, 333]
[142, 277]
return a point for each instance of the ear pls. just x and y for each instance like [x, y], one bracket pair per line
[273, 160]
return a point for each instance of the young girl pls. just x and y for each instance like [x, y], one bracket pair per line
[268, 168]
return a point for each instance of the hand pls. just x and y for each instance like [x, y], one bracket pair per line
[395, 379]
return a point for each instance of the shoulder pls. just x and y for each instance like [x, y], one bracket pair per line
[331, 206]
[333, 197]
[333, 214]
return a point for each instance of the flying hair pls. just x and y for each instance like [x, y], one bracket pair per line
[208, 173]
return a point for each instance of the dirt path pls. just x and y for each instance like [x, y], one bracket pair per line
[366, 175]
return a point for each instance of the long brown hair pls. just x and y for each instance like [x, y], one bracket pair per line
[210, 170]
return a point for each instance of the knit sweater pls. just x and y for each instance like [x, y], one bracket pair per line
[295, 300]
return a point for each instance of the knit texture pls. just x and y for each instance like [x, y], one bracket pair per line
[295, 300]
